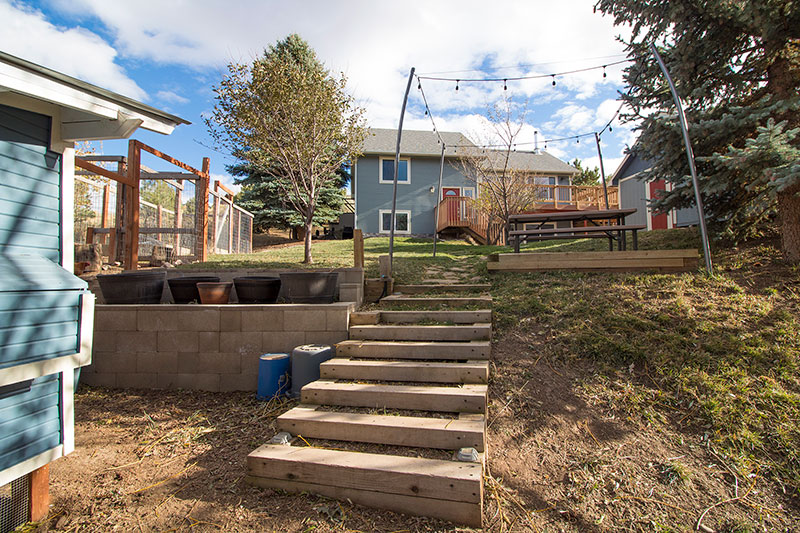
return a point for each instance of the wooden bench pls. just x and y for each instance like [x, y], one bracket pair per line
[612, 233]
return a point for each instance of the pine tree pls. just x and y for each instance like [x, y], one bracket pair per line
[289, 117]
[736, 65]
[587, 176]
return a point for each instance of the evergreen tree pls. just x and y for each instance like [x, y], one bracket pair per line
[736, 65]
[262, 196]
[289, 118]
[587, 176]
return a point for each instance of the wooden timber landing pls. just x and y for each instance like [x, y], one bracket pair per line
[622, 261]
[394, 360]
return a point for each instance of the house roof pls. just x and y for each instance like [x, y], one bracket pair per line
[381, 141]
[89, 112]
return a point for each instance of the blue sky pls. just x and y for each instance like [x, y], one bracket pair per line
[170, 53]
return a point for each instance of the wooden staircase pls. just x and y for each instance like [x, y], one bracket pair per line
[383, 425]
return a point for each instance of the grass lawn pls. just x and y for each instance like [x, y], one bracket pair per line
[701, 363]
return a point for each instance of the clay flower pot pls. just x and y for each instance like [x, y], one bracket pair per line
[214, 292]
[257, 289]
[184, 290]
[137, 287]
[310, 287]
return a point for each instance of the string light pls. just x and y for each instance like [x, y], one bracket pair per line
[604, 71]
[505, 85]
[554, 80]
[457, 84]
[531, 77]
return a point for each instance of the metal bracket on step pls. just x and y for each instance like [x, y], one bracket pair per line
[467, 455]
[283, 438]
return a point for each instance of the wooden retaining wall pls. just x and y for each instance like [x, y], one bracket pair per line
[623, 261]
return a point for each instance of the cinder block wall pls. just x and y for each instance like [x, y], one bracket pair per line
[203, 347]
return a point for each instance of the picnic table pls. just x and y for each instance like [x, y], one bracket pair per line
[613, 227]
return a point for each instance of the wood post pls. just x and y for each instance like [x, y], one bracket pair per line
[132, 204]
[89, 235]
[178, 216]
[159, 219]
[104, 213]
[358, 248]
[385, 266]
[215, 229]
[201, 207]
[39, 495]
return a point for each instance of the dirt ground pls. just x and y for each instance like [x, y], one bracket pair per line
[559, 460]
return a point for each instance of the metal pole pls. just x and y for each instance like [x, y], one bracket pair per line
[436, 209]
[602, 169]
[690, 155]
[396, 169]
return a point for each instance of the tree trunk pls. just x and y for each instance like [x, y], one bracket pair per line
[789, 213]
[307, 242]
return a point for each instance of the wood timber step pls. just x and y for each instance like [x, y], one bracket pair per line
[465, 399]
[414, 371]
[456, 317]
[442, 287]
[382, 332]
[417, 432]
[414, 350]
[483, 301]
[449, 490]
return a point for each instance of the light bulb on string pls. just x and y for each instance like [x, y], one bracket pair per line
[419, 85]
[554, 79]
[426, 112]
[577, 140]
[457, 84]
[505, 85]
[604, 71]
[610, 128]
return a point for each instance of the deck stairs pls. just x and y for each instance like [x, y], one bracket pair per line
[397, 419]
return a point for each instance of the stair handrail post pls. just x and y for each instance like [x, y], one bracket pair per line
[690, 156]
[393, 222]
[436, 201]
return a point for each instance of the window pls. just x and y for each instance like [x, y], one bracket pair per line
[468, 192]
[402, 221]
[386, 170]
[545, 193]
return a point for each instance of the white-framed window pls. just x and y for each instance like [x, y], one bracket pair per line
[468, 192]
[402, 221]
[386, 170]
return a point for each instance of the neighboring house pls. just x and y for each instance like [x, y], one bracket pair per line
[46, 313]
[418, 177]
[634, 192]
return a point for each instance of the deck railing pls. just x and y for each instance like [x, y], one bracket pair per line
[461, 212]
[577, 196]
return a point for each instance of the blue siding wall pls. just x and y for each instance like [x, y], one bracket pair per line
[372, 196]
[30, 185]
[30, 419]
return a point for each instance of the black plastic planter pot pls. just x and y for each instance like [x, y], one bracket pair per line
[257, 289]
[140, 287]
[309, 287]
[184, 290]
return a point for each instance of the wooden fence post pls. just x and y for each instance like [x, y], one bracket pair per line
[39, 493]
[132, 207]
[358, 248]
[178, 217]
[202, 187]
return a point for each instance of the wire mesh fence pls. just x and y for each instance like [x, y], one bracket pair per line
[14, 504]
[230, 228]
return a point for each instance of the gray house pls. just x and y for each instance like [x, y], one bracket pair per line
[634, 192]
[418, 177]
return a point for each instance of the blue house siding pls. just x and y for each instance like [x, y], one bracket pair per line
[30, 419]
[373, 196]
[30, 185]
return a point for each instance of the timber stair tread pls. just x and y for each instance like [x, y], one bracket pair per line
[375, 349]
[399, 332]
[469, 398]
[450, 490]
[453, 301]
[415, 371]
[411, 431]
[456, 317]
[441, 287]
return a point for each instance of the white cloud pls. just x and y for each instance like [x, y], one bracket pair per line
[74, 51]
[226, 180]
[171, 97]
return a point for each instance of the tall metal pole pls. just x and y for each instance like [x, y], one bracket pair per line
[396, 169]
[602, 169]
[690, 155]
[436, 209]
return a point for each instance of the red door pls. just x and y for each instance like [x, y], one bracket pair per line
[658, 221]
[452, 208]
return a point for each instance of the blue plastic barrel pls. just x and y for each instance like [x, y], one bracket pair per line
[273, 375]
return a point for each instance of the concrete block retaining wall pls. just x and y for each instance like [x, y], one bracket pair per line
[203, 347]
